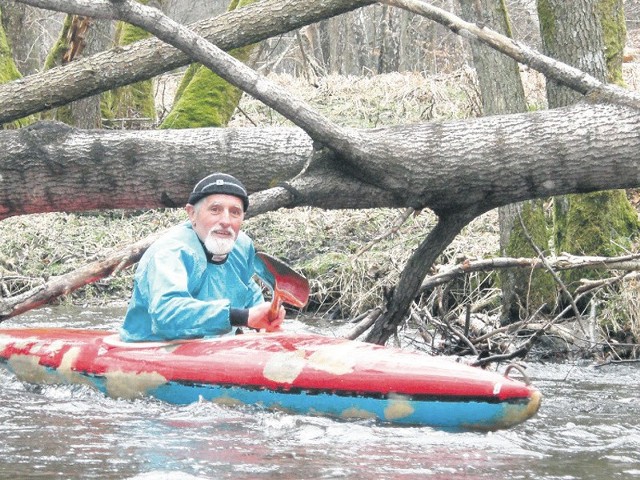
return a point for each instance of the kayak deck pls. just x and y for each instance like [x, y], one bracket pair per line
[301, 373]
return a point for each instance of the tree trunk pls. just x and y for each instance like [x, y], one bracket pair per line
[87, 112]
[571, 33]
[132, 106]
[601, 223]
[502, 92]
[80, 37]
[498, 75]
[9, 72]
[419, 264]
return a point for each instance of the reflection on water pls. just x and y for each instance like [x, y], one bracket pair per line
[587, 428]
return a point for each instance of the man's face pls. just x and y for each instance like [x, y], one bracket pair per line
[217, 219]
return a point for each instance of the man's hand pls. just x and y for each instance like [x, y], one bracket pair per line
[259, 318]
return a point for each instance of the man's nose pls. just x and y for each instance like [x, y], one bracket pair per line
[225, 216]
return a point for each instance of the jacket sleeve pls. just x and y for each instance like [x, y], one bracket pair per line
[174, 312]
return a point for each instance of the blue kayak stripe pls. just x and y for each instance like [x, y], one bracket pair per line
[403, 410]
[442, 413]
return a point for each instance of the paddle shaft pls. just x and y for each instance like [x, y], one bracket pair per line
[275, 305]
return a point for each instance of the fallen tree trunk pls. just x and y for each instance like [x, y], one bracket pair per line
[453, 166]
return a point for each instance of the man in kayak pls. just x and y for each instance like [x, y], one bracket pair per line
[196, 281]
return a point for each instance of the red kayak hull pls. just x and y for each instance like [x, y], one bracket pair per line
[303, 373]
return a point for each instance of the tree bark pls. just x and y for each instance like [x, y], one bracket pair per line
[415, 271]
[600, 223]
[205, 99]
[447, 166]
[572, 34]
[498, 75]
[80, 37]
[502, 92]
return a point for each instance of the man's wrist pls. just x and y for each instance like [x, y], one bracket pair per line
[239, 317]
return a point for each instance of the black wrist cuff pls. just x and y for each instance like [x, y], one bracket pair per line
[239, 317]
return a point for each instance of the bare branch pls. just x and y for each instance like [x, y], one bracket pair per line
[563, 262]
[548, 267]
[65, 284]
[561, 72]
[398, 222]
[363, 325]
[588, 285]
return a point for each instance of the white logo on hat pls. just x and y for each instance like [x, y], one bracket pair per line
[219, 182]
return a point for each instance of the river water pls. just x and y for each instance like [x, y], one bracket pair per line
[588, 427]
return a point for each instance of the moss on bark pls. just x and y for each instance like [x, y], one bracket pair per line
[54, 59]
[203, 98]
[547, 20]
[531, 288]
[9, 72]
[614, 31]
[600, 223]
[207, 100]
[135, 100]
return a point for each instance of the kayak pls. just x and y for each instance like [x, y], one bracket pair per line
[300, 373]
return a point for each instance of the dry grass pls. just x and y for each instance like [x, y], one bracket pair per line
[389, 99]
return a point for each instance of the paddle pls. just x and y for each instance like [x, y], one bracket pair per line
[288, 285]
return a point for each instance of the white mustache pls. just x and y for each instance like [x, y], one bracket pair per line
[218, 230]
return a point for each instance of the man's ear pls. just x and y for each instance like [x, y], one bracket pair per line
[191, 211]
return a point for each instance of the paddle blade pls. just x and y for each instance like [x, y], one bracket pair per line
[291, 287]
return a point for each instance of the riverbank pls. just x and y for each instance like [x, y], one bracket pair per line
[352, 259]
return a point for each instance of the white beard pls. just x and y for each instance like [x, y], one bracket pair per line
[219, 246]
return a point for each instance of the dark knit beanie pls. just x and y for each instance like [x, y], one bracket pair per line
[219, 183]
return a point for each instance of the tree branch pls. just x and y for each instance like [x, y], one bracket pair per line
[65, 284]
[556, 278]
[414, 272]
[562, 262]
[551, 68]
[199, 49]
[147, 58]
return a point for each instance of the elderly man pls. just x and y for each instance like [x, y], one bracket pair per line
[196, 281]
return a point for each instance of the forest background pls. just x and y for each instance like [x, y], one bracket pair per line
[353, 258]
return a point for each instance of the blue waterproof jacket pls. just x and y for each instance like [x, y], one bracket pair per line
[177, 293]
